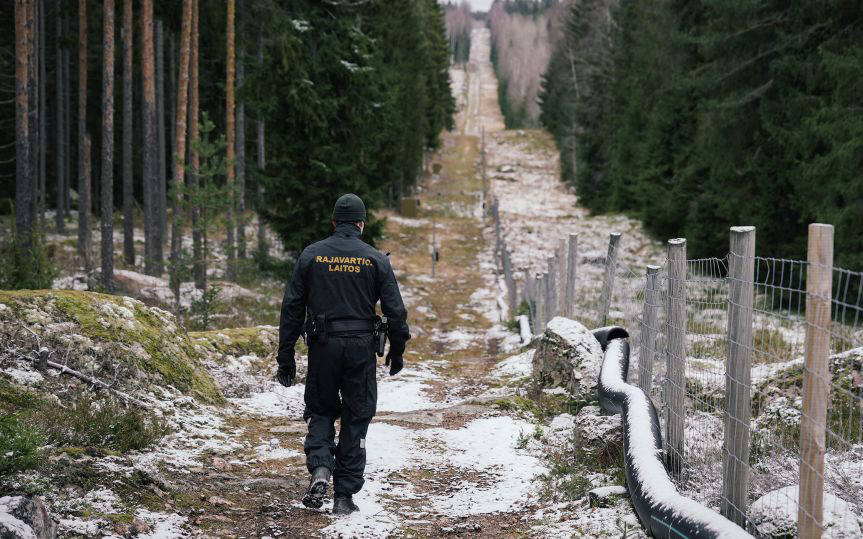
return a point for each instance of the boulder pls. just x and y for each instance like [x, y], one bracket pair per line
[774, 516]
[25, 517]
[568, 356]
[560, 430]
[596, 430]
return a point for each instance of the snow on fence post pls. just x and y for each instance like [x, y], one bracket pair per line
[648, 333]
[539, 292]
[816, 380]
[485, 200]
[561, 276]
[608, 280]
[571, 262]
[738, 402]
[675, 386]
[497, 232]
[508, 278]
[551, 289]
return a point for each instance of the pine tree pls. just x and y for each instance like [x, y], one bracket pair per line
[128, 159]
[229, 129]
[23, 162]
[107, 179]
[84, 237]
[60, 221]
[180, 157]
[153, 259]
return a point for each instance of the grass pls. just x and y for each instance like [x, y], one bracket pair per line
[104, 423]
[567, 480]
[20, 445]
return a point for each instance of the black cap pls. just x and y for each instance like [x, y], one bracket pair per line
[349, 208]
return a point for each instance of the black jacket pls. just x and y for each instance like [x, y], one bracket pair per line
[343, 278]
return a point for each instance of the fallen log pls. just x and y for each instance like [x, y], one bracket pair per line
[125, 397]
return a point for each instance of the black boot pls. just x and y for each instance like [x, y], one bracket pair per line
[344, 505]
[314, 497]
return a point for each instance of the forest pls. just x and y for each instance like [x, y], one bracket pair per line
[694, 116]
[207, 119]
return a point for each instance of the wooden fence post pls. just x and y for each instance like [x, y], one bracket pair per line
[738, 371]
[561, 276]
[539, 292]
[608, 280]
[571, 262]
[527, 293]
[509, 279]
[551, 288]
[485, 200]
[675, 357]
[816, 380]
[650, 317]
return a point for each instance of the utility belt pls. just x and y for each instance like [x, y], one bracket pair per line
[318, 329]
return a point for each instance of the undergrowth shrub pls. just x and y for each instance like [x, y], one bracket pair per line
[103, 423]
[20, 445]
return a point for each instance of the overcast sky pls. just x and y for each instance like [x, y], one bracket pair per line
[480, 5]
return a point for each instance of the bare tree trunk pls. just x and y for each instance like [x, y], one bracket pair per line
[60, 220]
[107, 179]
[179, 162]
[161, 188]
[34, 104]
[153, 261]
[84, 239]
[200, 268]
[241, 159]
[263, 250]
[229, 128]
[172, 98]
[43, 113]
[86, 180]
[23, 171]
[67, 121]
[128, 180]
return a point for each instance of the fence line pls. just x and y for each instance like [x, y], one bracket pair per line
[757, 371]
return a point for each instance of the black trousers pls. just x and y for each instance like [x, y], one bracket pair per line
[344, 365]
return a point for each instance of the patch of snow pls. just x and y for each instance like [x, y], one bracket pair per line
[276, 401]
[162, 525]
[27, 377]
[517, 366]
[775, 515]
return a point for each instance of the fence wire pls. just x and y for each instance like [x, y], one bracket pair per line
[775, 385]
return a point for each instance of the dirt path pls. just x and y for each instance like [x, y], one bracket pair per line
[441, 458]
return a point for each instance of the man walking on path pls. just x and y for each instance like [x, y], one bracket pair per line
[332, 295]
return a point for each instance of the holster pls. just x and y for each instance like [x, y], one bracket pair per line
[316, 328]
[380, 335]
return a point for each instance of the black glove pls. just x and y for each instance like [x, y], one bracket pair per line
[394, 357]
[287, 370]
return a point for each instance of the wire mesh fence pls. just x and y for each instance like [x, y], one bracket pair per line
[727, 350]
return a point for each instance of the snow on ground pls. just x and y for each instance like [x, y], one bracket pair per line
[517, 366]
[274, 401]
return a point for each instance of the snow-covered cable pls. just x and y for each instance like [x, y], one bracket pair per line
[524, 329]
[661, 509]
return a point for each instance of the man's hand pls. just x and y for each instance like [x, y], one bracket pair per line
[394, 357]
[287, 370]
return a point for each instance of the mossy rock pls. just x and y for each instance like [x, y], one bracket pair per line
[261, 341]
[138, 337]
